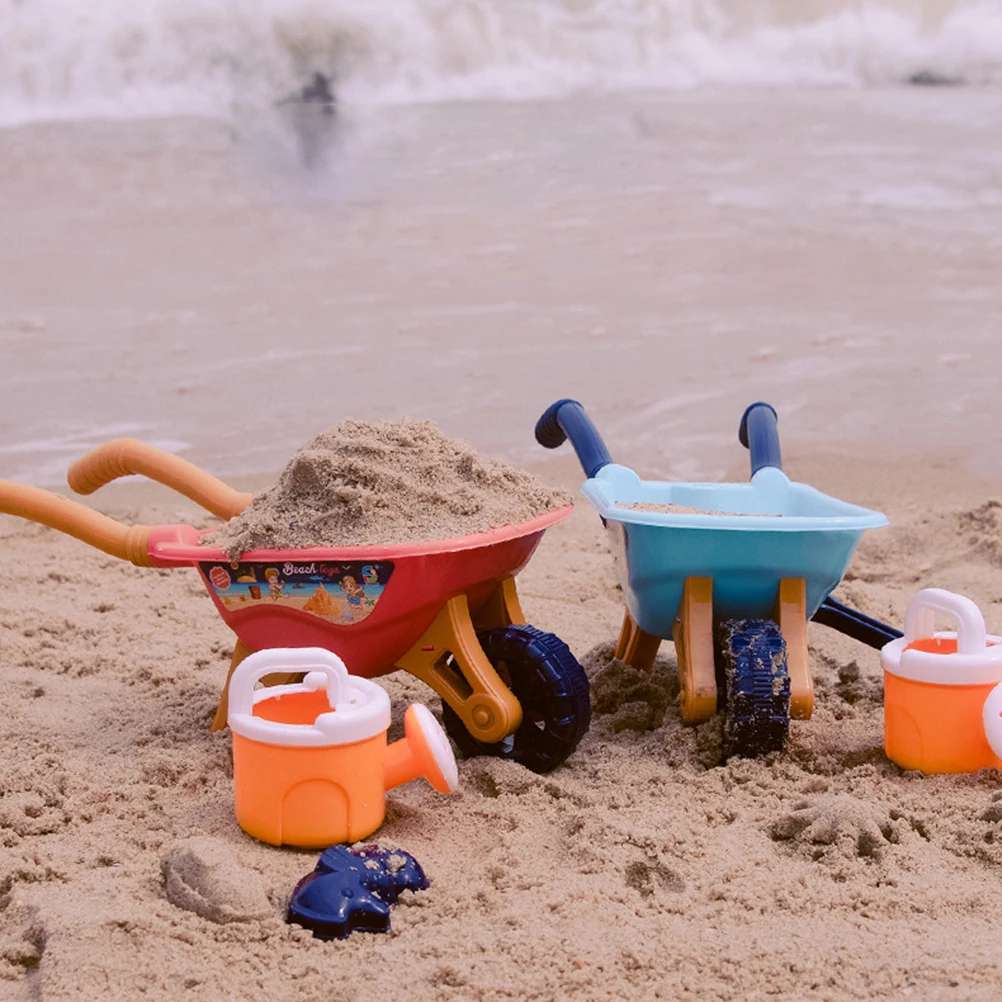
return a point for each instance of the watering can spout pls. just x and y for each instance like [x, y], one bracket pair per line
[424, 751]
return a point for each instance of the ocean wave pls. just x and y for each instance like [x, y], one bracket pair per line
[60, 59]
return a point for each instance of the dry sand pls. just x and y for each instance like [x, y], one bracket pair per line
[658, 508]
[366, 482]
[644, 868]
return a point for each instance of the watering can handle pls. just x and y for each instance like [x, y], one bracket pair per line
[567, 419]
[920, 618]
[758, 434]
[323, 669]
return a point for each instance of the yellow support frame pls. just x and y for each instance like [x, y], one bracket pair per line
[790, 612]
[693, 636]
[635, 647]
[476, 692]
[448, 658]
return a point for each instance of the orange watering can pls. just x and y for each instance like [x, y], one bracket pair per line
[943, 690]
[310, 760]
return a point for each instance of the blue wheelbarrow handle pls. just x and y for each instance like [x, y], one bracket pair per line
[855, 624]
[758, 434]
[567, 419]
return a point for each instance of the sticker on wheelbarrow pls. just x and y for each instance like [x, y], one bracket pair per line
[342, 593]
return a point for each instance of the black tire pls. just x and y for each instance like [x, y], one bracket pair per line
[552, 688]
[757, 680]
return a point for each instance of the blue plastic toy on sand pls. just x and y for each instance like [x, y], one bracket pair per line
[741, 550]
[352, 889]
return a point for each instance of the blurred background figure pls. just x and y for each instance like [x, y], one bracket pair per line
[312, 113]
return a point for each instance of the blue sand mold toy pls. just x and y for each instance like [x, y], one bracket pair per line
[352, 889]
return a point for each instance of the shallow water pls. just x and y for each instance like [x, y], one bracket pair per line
[226, 291]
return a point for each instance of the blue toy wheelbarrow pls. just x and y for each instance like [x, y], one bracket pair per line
[730, 572]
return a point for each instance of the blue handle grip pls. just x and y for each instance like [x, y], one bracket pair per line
[567, 419]
[758, 434]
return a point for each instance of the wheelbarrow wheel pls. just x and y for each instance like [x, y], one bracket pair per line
[552, 688]
[754, 658]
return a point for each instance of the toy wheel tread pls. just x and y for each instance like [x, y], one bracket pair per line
[552, 688]
[754, 658]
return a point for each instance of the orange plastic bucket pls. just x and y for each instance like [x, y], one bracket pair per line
[310, 761]
[942, 697]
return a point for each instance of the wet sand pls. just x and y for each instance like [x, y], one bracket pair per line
[666, 259]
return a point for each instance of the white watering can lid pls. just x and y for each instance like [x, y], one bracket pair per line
[978, 659]
[359, 709]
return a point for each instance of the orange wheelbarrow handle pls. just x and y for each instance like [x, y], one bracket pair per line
[123, 541]
[123, 457]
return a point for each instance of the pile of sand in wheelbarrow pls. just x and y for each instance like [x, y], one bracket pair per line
[362, 483]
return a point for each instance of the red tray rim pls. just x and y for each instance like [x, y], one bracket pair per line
[170, 548]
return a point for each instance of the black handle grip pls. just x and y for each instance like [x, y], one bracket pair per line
[855, 624]
[567, 419]
[759, 435]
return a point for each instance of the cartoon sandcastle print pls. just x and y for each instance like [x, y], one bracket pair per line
[320, 603]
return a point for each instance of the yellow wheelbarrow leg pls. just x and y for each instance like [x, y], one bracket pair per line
[501, 609]
[481, 700]
[635, 647]
[790, 612]
[693, 636]
[241, 651]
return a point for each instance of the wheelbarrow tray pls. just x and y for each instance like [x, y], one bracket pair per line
[777, 529]
[400, 589]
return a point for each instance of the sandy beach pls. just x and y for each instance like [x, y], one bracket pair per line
[643, 868]
[665, 209]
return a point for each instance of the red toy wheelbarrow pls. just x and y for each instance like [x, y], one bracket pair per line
[446, 610]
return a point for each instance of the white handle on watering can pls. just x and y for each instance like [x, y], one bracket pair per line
[324, 670]
[359, 709]
[920, 619]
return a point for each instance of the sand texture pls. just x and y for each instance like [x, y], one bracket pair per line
[681, 509]
[645, 868]
[361, 482]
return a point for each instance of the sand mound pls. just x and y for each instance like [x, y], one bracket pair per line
[632, 699]
[362, 483]
[844, 826]
[202, 875]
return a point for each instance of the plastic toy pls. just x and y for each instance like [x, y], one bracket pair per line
[353, 889]
[446, 611]
[942, 691]
[310, 760]
[732, 578]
